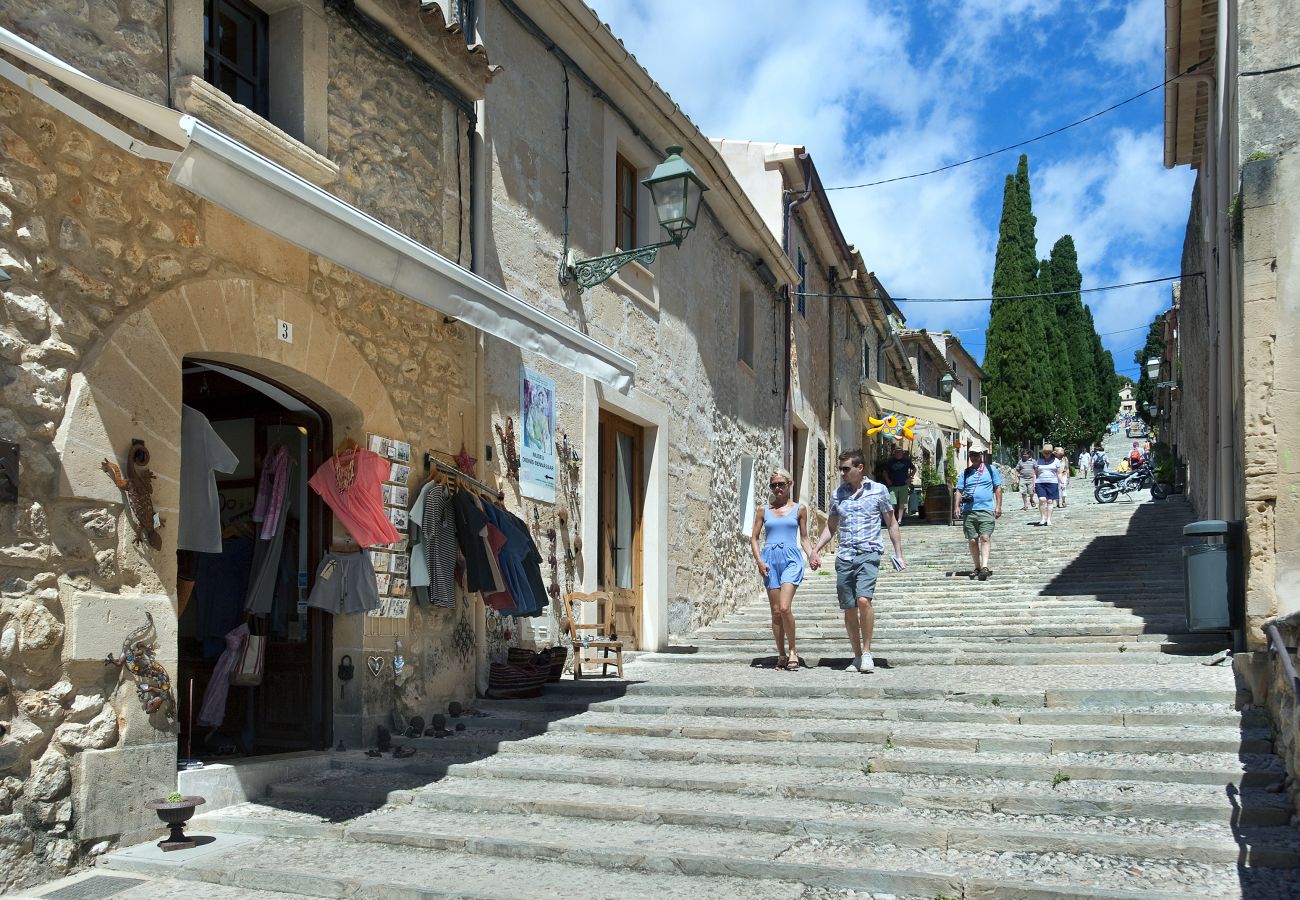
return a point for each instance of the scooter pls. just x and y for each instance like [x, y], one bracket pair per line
[1109, 485]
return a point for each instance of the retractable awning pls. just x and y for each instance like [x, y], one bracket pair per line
[888, 398]
[228, 174]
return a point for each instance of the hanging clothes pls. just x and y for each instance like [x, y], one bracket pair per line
[471, 523]
[272, 505]
[532, 566]
[220, 588]
[433, 547]
[352, 484]
[202, 453]
[511, 559]
[213, 710]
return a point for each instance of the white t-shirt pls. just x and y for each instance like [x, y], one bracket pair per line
[202, 453]
[1048, 472]
[1085, 459]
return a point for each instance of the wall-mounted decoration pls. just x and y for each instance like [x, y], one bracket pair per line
[376, 665]
[462, 641]
[153, 686]
[509, 452]
[893, 426]
[138, 488]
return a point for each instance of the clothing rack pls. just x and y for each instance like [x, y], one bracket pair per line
[430, 462]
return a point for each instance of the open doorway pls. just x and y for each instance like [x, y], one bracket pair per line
[250, 553]
[622, 499]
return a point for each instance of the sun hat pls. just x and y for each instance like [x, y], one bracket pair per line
[977, 448]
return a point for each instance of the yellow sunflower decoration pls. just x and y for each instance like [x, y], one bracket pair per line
[892, 426]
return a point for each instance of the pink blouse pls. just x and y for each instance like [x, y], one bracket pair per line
[360, 504]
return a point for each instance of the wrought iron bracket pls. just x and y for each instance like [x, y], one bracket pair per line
[591, 272]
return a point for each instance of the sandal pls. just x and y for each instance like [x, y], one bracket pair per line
[782, 662]
[793, 664]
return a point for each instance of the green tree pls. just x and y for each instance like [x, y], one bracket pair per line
[1014, 360]
[1144, 391]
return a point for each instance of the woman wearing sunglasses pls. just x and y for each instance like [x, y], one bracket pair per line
[780, 564]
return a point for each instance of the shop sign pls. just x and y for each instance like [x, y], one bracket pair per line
[537, 461]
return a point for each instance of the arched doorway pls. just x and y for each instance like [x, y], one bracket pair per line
[248, 563]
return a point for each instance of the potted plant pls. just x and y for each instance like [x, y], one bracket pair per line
[174, 812]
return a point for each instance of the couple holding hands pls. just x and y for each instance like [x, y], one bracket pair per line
[860, 510]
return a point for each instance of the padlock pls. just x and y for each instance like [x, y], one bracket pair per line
[346, 671]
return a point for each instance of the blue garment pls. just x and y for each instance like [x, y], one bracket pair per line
[977, 487]
[897, 471]
[860, 514]
[511, 561]
[781, 547]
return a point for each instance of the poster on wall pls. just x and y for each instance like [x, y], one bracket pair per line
[537, 463]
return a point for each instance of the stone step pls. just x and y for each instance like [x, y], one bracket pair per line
[257, 867]
[1202, 715]
[167, 885]
[973, 737]
[885, 660]
[828, 642]
[908, 607]
[1242, 770]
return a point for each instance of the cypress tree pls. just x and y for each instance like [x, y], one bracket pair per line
[1014, 361]
[1144, 391]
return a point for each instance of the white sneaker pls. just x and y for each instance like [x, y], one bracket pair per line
[866, 663]
[855, 666]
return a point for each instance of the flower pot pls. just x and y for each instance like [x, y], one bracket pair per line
[175, 815]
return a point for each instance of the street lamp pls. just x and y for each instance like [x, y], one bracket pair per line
[1153, 368]
[946, 384]
[676, 191]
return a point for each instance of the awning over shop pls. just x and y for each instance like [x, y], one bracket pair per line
[257, 190]
[888, 398]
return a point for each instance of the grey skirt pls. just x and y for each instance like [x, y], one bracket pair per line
[345, 583]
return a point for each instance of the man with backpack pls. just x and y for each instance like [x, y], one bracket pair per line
[978, 500]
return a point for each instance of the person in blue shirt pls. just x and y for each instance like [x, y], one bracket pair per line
[899, 470]
[978, 501]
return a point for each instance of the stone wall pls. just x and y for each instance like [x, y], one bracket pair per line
[714, 409]
[1196, 418]
[116, 276]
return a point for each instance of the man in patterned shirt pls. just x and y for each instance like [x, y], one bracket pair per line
[859, 507]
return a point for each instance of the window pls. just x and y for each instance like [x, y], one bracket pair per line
[821, 476]
[866, 361]
[802, 265]
[745, 330]
[625, 191]
[745, 496]
[235, 58]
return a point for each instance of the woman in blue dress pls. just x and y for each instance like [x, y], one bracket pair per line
[780, 562]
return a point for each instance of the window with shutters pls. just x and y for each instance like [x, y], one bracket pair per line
[625, 197]
[821, 476]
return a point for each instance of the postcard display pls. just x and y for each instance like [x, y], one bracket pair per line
[391, 562]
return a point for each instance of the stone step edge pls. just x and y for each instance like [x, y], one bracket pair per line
[648, 862]
[1278, 814]
[971, 768]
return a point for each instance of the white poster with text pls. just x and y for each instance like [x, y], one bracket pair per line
[537, 463]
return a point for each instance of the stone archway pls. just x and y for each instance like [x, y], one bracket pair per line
[131, 385]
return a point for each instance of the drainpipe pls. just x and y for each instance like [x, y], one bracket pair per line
[787, 423]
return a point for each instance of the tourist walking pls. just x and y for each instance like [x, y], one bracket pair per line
[978, 500]
[780, 562]
[1027, 472]
[1062, 474]
[859, 508]
[1047, 483]
[899, 470]
[1085, 463]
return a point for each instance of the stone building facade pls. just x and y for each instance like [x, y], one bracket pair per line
[1232, 119]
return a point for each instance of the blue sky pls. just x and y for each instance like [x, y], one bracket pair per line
[876, 89]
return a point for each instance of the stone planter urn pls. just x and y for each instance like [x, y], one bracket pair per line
[174, 814]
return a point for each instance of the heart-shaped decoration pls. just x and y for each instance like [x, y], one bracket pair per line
[376, 664]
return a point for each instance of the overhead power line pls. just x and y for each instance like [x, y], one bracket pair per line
[1092, 290]
[1028, 141]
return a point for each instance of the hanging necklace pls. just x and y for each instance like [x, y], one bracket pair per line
[345, 471]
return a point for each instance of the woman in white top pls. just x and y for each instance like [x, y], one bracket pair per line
[1063, 474]
[1047, 483]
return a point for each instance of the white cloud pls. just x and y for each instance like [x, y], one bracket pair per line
[1138, 38]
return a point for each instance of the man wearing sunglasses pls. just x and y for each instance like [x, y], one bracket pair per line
[859, 507]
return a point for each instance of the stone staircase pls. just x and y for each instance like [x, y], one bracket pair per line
[1049, 733]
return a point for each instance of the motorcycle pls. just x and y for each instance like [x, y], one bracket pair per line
[1109, 485]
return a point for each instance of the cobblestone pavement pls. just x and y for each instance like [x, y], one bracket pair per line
[1049, 733]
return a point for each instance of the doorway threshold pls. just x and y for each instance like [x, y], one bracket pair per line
[224, 784]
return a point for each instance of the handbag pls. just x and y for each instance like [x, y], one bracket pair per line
[252, 662]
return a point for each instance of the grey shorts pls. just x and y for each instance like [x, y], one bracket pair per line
[345, 583]
[856, 577]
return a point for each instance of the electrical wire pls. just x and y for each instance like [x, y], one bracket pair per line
[1092, 290]
[1028, 141]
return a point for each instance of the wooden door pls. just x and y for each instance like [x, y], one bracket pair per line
[622, 496]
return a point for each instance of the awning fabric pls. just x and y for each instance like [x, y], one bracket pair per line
[230, 175]
[895, 399]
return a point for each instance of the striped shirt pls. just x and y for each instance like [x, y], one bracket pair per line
[860, 517]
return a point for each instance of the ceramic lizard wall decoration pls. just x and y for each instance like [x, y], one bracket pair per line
[153, 686]
[138, 487]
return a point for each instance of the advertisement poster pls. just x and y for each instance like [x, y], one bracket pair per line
[537, 463]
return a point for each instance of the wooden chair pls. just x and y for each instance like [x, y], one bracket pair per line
[591, 639]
